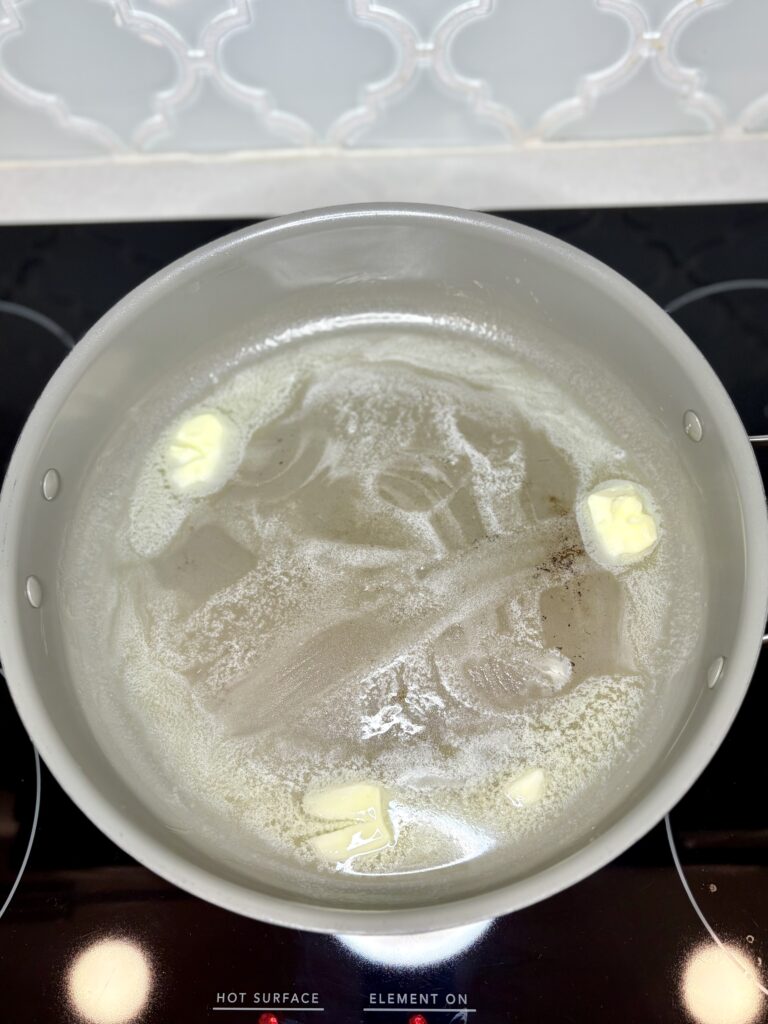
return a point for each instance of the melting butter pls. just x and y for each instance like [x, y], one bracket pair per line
[361, 802]
[621, 523]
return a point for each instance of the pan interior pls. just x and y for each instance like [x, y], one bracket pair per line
[459, 281]
[388, 583]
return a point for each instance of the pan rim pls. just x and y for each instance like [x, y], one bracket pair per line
[638, 819]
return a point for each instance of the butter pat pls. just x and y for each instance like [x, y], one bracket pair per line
[352, 841]
[620, 522]
[359, 801]
[527, 789]
[200, 448]
[365, 804]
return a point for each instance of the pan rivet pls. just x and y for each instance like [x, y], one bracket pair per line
[692, 425]
[715, 671]
[51, 484]
[34, 591]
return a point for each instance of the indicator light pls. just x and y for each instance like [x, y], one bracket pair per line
[268, 1018]
[417, 1018]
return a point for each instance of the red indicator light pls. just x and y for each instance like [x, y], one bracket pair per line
[417, 1018]
[268, 1018]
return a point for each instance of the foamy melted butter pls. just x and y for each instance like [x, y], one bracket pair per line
[385, 582]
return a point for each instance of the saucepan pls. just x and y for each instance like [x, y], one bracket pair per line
[416, 262]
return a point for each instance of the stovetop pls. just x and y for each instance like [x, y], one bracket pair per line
[90, 935]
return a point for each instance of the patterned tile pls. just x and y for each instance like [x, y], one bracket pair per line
[84, 77]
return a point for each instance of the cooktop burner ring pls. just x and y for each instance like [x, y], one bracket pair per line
[32, 830]
[724, 947]
[39, 319]
[738, 284]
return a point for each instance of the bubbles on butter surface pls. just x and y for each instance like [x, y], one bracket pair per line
[361, 598]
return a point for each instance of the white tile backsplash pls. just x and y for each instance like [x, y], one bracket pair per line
[535, 54]
[729, 47]
[84, 76]
[342, 86]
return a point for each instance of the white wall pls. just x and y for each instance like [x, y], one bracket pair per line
[290, 102]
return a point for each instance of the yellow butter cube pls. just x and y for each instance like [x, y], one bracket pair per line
[358, 801]
[352, 841]
[198, 449]
[365, 804]
[527, 789]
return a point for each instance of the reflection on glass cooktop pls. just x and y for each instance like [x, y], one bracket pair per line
[674, 930]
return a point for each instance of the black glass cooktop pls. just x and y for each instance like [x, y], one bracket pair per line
[88, 935]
